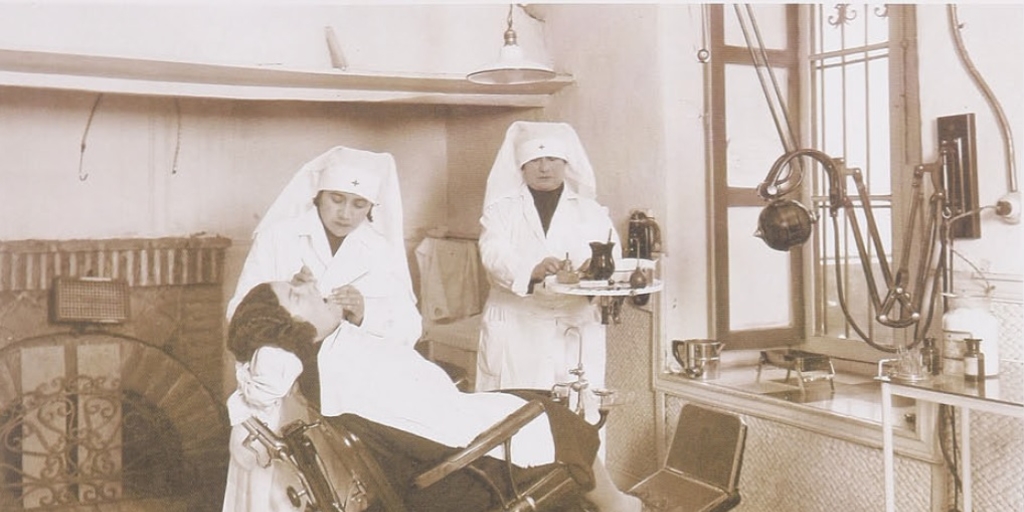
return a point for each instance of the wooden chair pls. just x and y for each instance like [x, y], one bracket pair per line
[339, 464]
[702, 469]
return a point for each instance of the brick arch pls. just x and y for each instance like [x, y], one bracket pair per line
[142, 374]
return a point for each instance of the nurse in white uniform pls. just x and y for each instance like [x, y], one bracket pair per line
[338, 226]
[539, 208]
[339, 222]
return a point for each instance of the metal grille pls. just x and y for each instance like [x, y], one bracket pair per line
[850, 76]
[89, 300]
[85, 441]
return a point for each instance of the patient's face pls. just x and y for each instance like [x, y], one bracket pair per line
[303, 300]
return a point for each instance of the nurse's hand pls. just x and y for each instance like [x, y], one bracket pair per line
[304, 276]
[351, 301]
[548, 266]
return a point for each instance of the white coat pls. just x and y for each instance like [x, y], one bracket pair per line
[363, 260]
[531, 340]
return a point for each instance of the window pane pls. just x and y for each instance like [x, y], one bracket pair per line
[856, 115]
[771, 22]
[830, 115]
[758, 293]
[879, 164]
[844, 26]
[852, 121]
[878, 23]
[754, 142]
[852, 24]
[853, 281]
[830, 34]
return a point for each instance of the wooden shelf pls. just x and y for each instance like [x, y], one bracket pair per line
[122, 75]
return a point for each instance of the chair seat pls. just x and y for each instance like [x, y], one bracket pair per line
[669, 491]
[701, 472]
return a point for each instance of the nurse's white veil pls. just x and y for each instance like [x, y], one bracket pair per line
[297, 198]
[506, 177]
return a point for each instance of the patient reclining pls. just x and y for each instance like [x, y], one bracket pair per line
[282, 330]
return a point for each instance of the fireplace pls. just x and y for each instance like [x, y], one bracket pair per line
[125, 414]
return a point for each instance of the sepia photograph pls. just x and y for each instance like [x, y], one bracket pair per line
[410, 256]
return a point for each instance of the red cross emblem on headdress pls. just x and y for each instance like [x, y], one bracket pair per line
[355, 183]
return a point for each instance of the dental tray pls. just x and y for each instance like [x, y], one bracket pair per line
[808, 366]
[793, 359]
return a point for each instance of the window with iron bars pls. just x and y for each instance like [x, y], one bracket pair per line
[846, 75]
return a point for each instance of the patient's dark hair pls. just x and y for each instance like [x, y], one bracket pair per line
[260, 320]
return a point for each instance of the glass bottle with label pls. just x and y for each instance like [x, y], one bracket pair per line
[969, 317]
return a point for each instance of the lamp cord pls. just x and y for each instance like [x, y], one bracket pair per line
[509, 20]
[988, 284]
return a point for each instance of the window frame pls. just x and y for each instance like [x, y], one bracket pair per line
[905, 153]
[723, 196]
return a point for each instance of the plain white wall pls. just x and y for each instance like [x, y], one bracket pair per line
[994, 41]
[409, 38]
[232, 160]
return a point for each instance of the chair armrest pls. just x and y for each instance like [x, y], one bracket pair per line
[482, 444]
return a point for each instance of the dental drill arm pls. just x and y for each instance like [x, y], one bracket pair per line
[899, 299]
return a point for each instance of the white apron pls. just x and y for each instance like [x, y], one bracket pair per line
[531, 340]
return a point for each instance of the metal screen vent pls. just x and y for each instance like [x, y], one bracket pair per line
[89, 300]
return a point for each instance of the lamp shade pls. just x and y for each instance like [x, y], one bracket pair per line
[512, 67]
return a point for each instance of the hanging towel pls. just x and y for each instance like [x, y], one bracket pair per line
[452, 285]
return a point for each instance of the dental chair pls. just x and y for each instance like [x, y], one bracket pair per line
[702, 469]
[338, 464]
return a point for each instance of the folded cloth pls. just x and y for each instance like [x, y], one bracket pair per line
[451, 282]
[262, 383]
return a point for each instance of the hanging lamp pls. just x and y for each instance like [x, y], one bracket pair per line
[512, 67]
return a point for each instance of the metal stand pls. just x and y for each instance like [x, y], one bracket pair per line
[809, 367]
[566, 391]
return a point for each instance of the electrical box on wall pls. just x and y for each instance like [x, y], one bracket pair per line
[958, 151]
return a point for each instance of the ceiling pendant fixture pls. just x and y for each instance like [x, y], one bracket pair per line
[511, 67]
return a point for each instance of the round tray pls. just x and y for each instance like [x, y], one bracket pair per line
[601, 288]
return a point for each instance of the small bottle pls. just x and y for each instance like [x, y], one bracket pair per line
[974, 361]
[930, 357]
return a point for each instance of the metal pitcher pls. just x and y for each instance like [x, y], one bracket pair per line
[699, 358]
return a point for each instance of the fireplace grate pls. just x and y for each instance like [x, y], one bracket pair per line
[89, 300]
